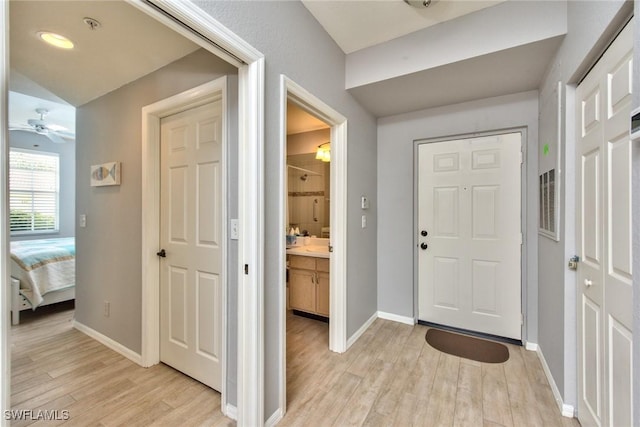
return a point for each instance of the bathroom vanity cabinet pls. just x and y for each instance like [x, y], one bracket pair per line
[309, 284]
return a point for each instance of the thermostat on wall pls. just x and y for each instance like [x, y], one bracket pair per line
[634, 131]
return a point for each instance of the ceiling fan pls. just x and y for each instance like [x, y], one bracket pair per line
[56, 133]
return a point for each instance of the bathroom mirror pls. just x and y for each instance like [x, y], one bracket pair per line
[308, 194]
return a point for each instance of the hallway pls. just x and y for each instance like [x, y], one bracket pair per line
[55, 367]
[392, 377]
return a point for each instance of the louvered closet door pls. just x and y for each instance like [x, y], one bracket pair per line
[603, 221]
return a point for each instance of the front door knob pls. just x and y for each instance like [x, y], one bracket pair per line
[423, 246]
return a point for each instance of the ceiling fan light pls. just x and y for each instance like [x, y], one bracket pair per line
[56, 40]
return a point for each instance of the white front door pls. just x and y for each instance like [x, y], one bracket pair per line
[603, 226]
[191, 232]
[470, 238]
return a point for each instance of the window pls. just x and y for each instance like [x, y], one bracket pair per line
[33, 191]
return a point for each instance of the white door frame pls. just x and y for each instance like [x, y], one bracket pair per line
[523, 212]
[5, 298]
[289, 90]
[199, 27]
[151, 117]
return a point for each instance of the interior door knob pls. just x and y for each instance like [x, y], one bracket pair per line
[423, 246]
[162, 253]
[588, 283]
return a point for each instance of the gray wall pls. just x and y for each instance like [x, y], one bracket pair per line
[591, 25]
[396, 136]
[67, 201]
[295, 44]
[109, 248]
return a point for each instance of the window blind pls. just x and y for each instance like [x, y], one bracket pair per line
[33, 191]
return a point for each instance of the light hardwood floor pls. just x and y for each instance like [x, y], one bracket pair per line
[390, 377]
[55, 367]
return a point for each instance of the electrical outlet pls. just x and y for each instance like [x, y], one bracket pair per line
[107, 309]
[83, 220]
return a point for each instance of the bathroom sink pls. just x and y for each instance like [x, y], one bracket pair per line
[310, 250]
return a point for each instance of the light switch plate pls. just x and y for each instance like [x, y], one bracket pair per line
[235, 233]
[364, 221]
[83, 221]
[364, 202]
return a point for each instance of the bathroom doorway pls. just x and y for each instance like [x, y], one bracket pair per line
[313, 218]
[308, 191]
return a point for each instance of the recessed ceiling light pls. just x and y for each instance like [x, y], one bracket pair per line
[56, 40]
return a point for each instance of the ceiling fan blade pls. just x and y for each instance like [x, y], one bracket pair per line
[14, 126]
[55, 138]
[64, 134]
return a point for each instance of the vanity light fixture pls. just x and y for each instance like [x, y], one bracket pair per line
[324, 152]
[56, 40]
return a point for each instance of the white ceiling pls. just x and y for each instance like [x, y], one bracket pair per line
[299, 121]
[357, 24]
[130, 45]
[505, 54]
[127, 46]
[505, 72]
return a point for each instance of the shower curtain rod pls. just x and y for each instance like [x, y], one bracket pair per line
[304, 170]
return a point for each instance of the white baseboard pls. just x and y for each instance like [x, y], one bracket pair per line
[396, 318]
[361, 331]
[274, 418]
[113, 345]
[566, 410]
[231, 411]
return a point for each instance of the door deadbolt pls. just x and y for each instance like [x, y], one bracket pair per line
[573, 262]
[424, 233]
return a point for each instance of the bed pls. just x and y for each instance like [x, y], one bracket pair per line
[42, 273]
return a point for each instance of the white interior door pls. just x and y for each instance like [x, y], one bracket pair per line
[469, 260]
[604, 239]
[191, 225]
